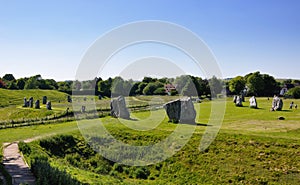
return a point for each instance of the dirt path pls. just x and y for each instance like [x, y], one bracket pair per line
[15, 165]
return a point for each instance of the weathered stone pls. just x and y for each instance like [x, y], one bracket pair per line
[173, 109]
[31, 102]
[188, 113]
[37, 104]
[44, 99]
[48, 105]
[181, 110]
[239, 102]
[69, 99]
[82, 108]
[253, 102]
[234, 98]
[242, 97]
[25, 102]
[118, 108]
[277, 104]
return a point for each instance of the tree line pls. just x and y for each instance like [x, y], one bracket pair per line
[253, 84]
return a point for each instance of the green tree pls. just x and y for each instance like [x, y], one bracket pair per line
[104, 87]
[255, 84]
[21, 83]
[141, 87]
[237, 84]
[12, 85]
[8, 77]
[117, 87]
[134, 89]
[216, 86]
[294, 92]
[151, 87]
[189, 89]
[271, 86]
[31, 83]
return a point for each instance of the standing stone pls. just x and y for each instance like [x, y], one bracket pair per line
[118, 108]
[48, 105]
[31, 102]
[253, 102]
[181, 110]
[234, 98]
[277, 104]
[25, 102]
[83, 109]
[239, 102]
[188, 113]
[69, 99]
[173, 109]
[37, 104]
[44, 100]
[242, 97]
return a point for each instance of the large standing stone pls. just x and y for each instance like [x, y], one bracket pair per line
[118, 108]
[37, 104]
[239, 101]
[173, 109]
[253, 102]
[25, 102]
[234, 98]
[48, 105]
[44, 100]
[242, 97]
[277, 104]
[188, 113]
[31, 102]
[181, 110]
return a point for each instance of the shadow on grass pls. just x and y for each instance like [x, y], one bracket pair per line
[195, 123]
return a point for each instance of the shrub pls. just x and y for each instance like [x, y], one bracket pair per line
[294, 92]
[24, 148]
[46, 174]
[141, 173]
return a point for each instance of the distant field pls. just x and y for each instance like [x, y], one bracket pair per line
[253, 147]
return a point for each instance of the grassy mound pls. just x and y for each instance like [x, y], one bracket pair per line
[15, 97]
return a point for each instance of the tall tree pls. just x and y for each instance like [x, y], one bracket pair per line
[237, 84]
[216, 86]
[8, 77]
[255, 84]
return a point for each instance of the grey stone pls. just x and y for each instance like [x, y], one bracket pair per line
[234, 98]
[118, 108]
[173, 109]
[48, 105]
[44, 99]
[253, 102]
[242, 97]
[83, 108]
[37, 104]
[277, 104]
[31, 102]
[25, 102]
[239, 101]
[69, 99]
[181, 110]
[188, 113]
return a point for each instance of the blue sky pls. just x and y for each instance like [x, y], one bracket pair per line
[50, 37]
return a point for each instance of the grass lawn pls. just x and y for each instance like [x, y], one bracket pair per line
[252, 147]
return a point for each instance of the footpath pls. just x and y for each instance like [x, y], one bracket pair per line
[16, 166]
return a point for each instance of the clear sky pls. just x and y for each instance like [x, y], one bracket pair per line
[50, 37]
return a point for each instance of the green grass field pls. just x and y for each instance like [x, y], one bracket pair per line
[252, 147]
